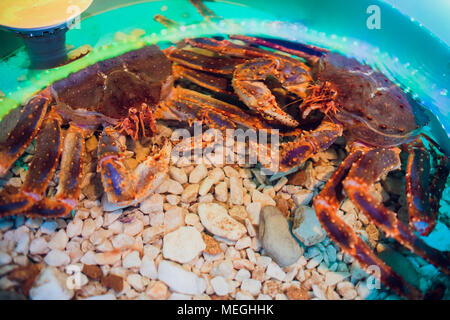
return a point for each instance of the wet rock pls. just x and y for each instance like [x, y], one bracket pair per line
[220, 286]
[252, 286]
[133, 228]
[48, 227]
[347, 290]
[221, 191]
[190, 193]
[174, 218]
[57, 258]
[274, 271]
[254, 212]
[170, 186]
[295, 293]
[214, 177]
[264, 199]
[212, 246]
[153, 204]
[307, 227]
[216, 220]
[93, 272]
[148, 267]
[37, 246]
[239, 213]
[183, 245]
[5, 258]
[59, 241]
[332, 278]
[158, 291]
[132, 260]
[136, 282]
[276, 238]
[113, 281]
[303, 197]
[284, 205]
[178, 174]
[51, 284]
[236, 191]
[198, 174]
[107, 258]
[180, 280]
[74, 228]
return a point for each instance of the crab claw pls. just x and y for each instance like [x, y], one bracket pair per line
[128, 188]
[248, 83]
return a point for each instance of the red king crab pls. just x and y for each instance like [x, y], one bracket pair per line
[127, 94]
[374, 115]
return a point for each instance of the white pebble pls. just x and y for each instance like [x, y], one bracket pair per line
[183, 244]
[252, 286]
[274, 271]
[59, 240]
[180, 280]
[57, 258]
[132, 260]
[220, 286]
[148, 267]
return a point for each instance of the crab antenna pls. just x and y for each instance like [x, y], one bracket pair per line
[432, 142]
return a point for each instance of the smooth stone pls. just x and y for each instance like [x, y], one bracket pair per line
[5, 258]
[148, 267]
[51, 284]
[57, 258]
[132, 260]
[180, 280]
[153, 204]
[183, 244]
[220, 286]
[276, 238]
[216, 220]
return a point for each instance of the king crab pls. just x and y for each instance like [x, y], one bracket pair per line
[376, 118]
[127, 94]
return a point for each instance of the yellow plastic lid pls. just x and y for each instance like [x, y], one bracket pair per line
[39, 14]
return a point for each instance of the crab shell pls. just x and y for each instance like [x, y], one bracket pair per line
[374, 110]
[105, 91]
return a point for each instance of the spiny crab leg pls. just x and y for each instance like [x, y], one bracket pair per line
[122, 187]
[365, 172]
[327, 204]
[424, 192]
[422, 219]
[41, 170]
[220, 65]
[70, 174]
[189, 106]
[206, 80]
[320, 139]
[25, 130]
[248, 77]
[294, 153]
[312, 58]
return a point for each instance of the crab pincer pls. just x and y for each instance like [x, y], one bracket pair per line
[126, 188]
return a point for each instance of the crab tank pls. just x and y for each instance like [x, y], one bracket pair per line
[273, 246]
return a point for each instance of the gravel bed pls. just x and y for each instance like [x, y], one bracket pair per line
[200, 237]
